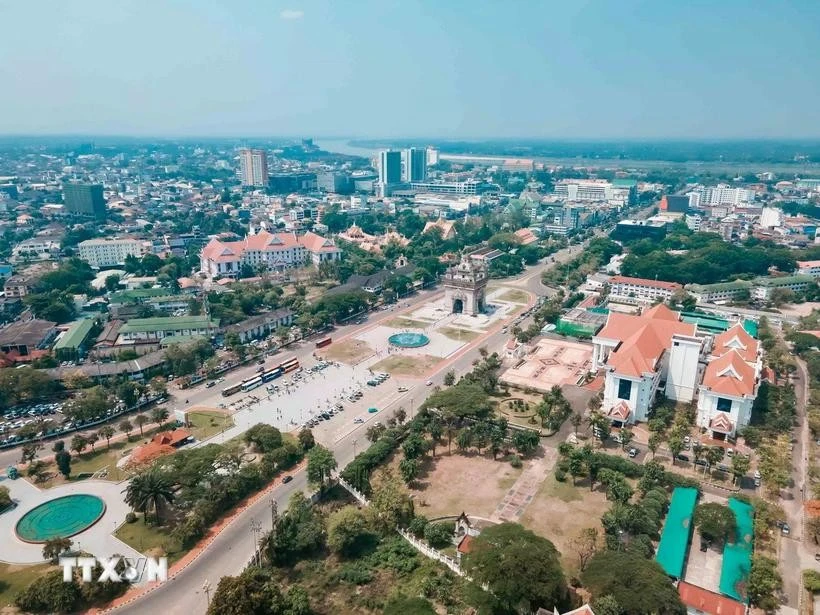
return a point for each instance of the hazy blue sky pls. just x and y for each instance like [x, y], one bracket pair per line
[436, 68]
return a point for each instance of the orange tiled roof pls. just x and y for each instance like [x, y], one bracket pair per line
[730, 375]
[736, 338]
[263, 241]
[709, 602]
[721, 423]
[643, 339]
[620, 411]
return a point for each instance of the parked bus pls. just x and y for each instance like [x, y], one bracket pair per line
[290, 365]
[252, 383]
[272, 374]
[324, 342]
[234, 388]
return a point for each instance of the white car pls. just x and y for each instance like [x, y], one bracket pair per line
[358, 420]
[429, 383]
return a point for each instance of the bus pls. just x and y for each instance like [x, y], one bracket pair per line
[272, 373]
[234, 388]
[325, 341]
[289, 365]
[251, 383]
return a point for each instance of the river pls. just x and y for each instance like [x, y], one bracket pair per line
[342, 146]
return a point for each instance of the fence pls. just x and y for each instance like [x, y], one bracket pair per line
[354, 492]
[428, 551]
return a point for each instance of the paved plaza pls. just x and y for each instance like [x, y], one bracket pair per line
[97, 539]
[551, 362]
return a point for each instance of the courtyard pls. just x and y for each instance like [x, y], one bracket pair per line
[552, 362]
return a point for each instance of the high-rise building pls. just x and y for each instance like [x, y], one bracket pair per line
[414, 165]
[84, 200]
[389, 170]
[253, 165]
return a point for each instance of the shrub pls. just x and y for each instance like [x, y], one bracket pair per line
[811, 580]
[417, 526]
[439, 535]
[628, 468]
[515, 461]
[560, 474]
[356, 573]
[130, 517]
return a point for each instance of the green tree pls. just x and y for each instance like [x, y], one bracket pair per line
[141, 420]
[159, 415]
[126, 427]
[675, 444]
[38, 470]
[149, 491]
[576, 419]
[764, 583]
[55, 547]
[306, 439]
[63, 460]
[715, 522]
[450, 378]
[464, 439]
[49, 594]
[374, 432]
[297, 532]
[538, 580]
[255, 593]
[320, 464]
[265, 438]
[29, 451]
[409, 469]
[655, 440]
[740, 465]
[5, 498]
[626, 437]
[526, 441]
[107, 432]
[646, 589]
[348, 531]
[78, 444]
[390, 504]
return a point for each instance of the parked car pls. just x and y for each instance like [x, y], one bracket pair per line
[287, 478]
[683, 457]
[633, 452]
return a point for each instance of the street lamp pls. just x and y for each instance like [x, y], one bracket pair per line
[256, 528]
[206, 587]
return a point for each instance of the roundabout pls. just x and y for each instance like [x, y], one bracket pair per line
[408, 339]
[61, 517]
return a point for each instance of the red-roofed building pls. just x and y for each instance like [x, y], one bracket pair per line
[163, 443]
[727, 394]
[702, 601]
[637, 353]
[276, 251]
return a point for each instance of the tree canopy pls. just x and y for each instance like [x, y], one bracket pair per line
[521, 568]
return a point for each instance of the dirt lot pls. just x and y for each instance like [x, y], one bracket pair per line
[452, 484]
[413, 366]
[349, 351]
[559, 511]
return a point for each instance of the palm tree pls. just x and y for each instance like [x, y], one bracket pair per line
[107, 432]
[126, 427]
[141, 420]
[576, 420]
[159, 415]
[149, 491]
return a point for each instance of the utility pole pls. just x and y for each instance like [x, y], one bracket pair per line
[206, 587]
[256, 528]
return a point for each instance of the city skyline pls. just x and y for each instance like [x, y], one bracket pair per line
[587, 70]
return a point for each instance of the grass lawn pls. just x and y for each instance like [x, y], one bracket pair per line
[348, 351]
[400, 322]
[460, 335]
[15, 578]
[407, 366]
[515, 296]
[150, 539]
[207, 423]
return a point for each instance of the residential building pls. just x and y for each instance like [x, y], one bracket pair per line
[730, 383]
[721, 194]
[771, 217]
[390, 172]
[36, 249]
[414, 164]
[275, 251]
[621, 192]
[763, 287]
[811, 268]
[467, 187]
[85, 200]
[18, 286]
[155, 329]
[109, 252]
[253, 167]
[73, 343]
[637, 353]
[640, 290]
[720, 292]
